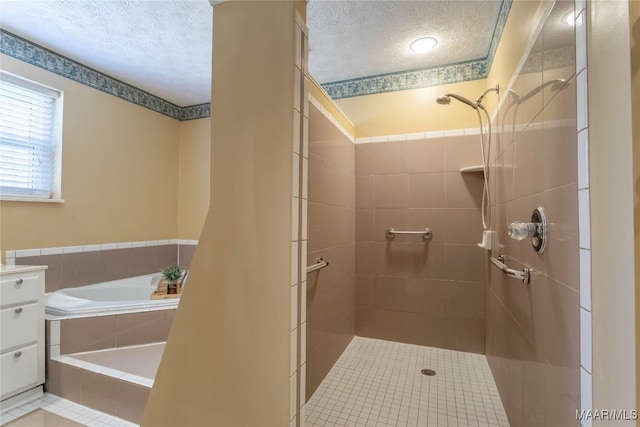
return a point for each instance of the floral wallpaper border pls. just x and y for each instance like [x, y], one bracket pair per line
[41, 57]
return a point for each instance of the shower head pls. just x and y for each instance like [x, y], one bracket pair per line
[446, 100]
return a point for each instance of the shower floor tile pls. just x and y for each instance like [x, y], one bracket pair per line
[379, 383]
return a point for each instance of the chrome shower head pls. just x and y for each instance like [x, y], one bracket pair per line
[446, 100]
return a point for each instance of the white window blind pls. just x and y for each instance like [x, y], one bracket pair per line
[27, 139]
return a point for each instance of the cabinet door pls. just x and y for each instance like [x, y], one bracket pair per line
[18, 370]
[19, 326]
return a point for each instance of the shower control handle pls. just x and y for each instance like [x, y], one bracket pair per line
[19, 282]
[521, 230]
[537, 230]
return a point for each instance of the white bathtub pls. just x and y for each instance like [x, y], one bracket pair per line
[131, 294]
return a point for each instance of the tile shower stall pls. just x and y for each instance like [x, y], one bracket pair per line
[441, 298]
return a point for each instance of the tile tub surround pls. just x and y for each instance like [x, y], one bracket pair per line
[73, 266]
[109, 331]
[409, 290]
[331, 235]
[533, 331]
[115, 381]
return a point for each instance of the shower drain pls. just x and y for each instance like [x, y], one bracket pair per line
[428, 372]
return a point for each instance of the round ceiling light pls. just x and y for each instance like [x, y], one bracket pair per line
[568, 19]
[423, 45]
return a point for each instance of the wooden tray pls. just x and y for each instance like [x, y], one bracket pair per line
[161, 292]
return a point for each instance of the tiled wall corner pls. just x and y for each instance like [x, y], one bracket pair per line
[584, 215]
[298, 213]
[541, 330]
[329, 292]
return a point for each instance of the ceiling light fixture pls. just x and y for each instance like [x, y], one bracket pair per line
[423, 45]
[568, 19]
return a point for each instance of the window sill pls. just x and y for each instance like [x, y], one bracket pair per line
[30, 200]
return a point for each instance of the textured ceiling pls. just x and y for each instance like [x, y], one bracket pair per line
[351, 39]
[164, 46]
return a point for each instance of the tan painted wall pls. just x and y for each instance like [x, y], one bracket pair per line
[193, 176]
[634, 24]
[611, 166]
[119, 179]
[519, 30]
[416, 110]
[226, 362]
[412, 110]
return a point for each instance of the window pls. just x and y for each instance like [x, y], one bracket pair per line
[30, 139]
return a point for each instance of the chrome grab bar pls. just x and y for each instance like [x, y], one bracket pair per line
[320, 263]
[391, 233]
[524, 275]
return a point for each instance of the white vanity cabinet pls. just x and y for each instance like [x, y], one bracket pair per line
[21, 330]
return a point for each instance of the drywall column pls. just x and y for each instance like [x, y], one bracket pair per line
[233, 345]
[611, 182]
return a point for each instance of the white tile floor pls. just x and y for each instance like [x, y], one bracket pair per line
[378, 383]
[65, 408]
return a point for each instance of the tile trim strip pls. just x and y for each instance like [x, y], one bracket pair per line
[34, 54]
[417, 135]
[11, 254]
[425, 77]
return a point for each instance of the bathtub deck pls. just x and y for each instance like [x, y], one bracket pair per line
[142, 360]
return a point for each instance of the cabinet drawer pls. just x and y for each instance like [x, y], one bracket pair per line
[21, 288]
[19, 326]
[18, 369]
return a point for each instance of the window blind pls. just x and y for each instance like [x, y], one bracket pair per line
[26, 138]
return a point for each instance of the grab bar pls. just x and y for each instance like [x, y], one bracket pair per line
[320, 263]
[523, 275]
[391, 233]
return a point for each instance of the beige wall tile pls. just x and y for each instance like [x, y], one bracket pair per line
[464, 190]
[426, 155]
[390, 158]
[131, 401]
[390, 191]
[87, 333]
[427, 190]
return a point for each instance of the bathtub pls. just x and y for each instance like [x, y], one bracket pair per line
[130, 294]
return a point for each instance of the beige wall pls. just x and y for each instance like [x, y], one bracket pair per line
[524, 17]
[226, 361]
[611, 167]
[634, 23]
[193, 177]
[415, 110]
[412, 110]
[119, 178]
